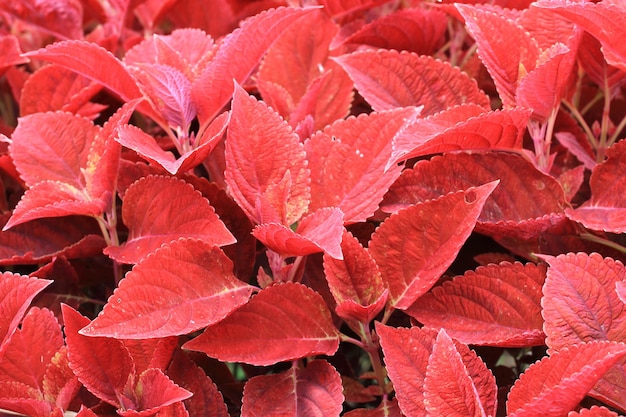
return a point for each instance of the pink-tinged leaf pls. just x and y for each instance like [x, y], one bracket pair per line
[314, 391]
[417, 30]
[102, 365]
[16, 293]
[178, 303]
[580, 304]
[355, 282]
[340, 8]
[595, 66]
[145, 145]
[31, 348]
[406, 358]
[281, 323]
[93, 62]
[458, 383]
[266, 167]
[526, 203]
[594, 411]
[507, 58]
[602, 20]
[169, 93]
[498, 305]
[153, 391]
[320, 231]
[414, 247]
[387, 408]
[620, 288]
[62, 19]
[463, 127]
[237, 56]
[206, 399]
[555, 385]
[57, 88]
[348, 162]
[388, 79]
[40, 240]
[154, 218]
[605, 210]
[542, 88]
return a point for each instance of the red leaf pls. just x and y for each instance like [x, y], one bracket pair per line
[154, 218]
[602, 20]
[594, 411]
[203, 295]
[16, 293]
[313, 391]
[406, 357]
[101, 364]
[496, 305]
[463, 127]
[417, 30]
[526, 202]
[339, 8]
[281, 323]
[145, 145]
[556, 384]
[458, 383]
[10, 52]
[355, 150]
[415, 246]
[238, 54]
[62, 19]
[355, 282]
[580, 304]
[318, 232]
[605, 210]
[94, 62]
[266, 168]
[507, 58]
[388, 79]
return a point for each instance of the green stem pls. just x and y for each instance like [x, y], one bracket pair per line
[603, 241]
[583, 123]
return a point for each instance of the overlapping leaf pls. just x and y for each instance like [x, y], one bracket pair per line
[525, 203]
[555, 385]
[355, 282]
[62, 19]
[605, 210]
[282, 322]
[415, 246]
[153, 218]
[319, 231]
[266, 168]
[594, 411]
[10, 52]
[464, 127]
[315, 390]
[494, 305]
[388, 79]
[238, 54]
[348, 162]
[458, 383]
[182, 287]
[339, 8]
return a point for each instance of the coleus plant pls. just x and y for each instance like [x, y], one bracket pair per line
[363, 208]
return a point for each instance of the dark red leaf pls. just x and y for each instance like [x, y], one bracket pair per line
[156, 300]
[605, 210]
[464, 127]
[237, 56]
[388, 79]
[556, 384]
[406, 358]
[318, 232]
[16, 293]
[102, 365]
[154, 218]
[387, 408]
[507, 58]
[93, 62]
[414, 247]
[313, 391]
[355, 282]
[281, 323]
[348, 163]
[495, 305]
[266, 168]
[458, 383]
